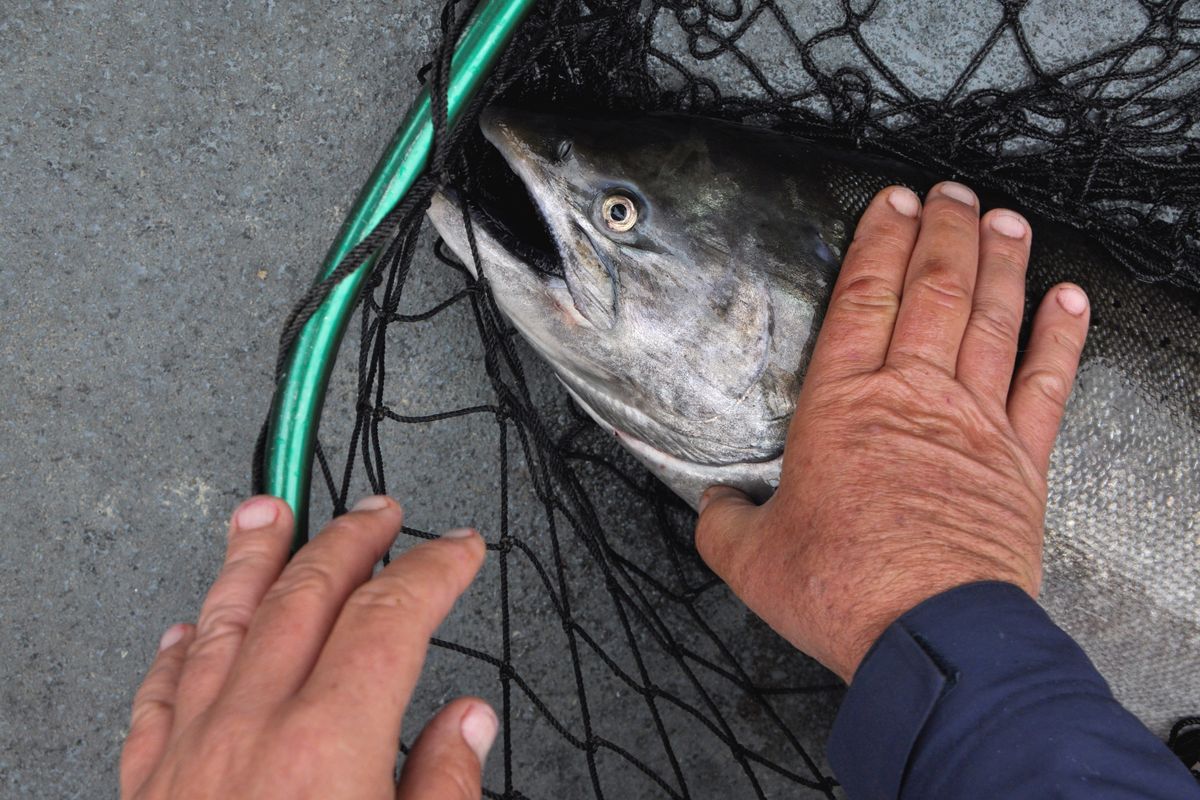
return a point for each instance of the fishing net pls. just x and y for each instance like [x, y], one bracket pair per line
[619, 665]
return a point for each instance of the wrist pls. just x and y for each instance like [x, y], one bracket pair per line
[888, 607]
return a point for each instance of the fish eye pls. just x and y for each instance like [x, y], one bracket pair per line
[619, 212]
[563, 150]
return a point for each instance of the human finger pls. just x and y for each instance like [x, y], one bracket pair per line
[726, 514]
[299, 610]
[373, 657]
[989, 345]
[858, 323]
[447, 759]
[154, 710]
[260, 533]
[936, 299]
[1043, 381]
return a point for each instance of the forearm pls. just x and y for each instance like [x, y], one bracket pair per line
[976, 693]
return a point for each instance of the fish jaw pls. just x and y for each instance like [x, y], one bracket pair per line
[529, 146]
[527, 296]
[688, 479]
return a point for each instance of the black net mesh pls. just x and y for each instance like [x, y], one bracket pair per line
[619, 665]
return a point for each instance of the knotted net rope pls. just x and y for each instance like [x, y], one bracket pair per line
[619, 665]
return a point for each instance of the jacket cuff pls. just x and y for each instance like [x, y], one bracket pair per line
[894, 691]
[984, 634]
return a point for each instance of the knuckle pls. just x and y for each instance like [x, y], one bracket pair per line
[247, 551]
[391, 596]
[145, 708]
[891, 390]
[1065, 340]
[883, 236]
[869, 293]
[304, 579]
[996, 322]
[1048, 383]
[950, 213]
[157, 684]
[942, 278]
[459, 777]
[345, 525]
[882, 248]
[1010, 257]
[229, 619]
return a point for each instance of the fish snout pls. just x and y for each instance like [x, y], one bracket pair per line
[524, 135]
[446, 214]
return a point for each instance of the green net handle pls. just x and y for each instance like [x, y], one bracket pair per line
[300, 393]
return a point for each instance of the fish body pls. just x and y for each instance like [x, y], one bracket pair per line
[692, 260]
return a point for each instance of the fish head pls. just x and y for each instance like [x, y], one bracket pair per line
[661, 283]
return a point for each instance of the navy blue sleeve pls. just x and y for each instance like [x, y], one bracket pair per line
[975, 693]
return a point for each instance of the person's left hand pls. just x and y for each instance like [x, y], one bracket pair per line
[294, 680]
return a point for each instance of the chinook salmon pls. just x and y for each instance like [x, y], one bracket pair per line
[673, 272]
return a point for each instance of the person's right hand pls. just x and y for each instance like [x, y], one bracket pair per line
[916, 461]
[295, 679]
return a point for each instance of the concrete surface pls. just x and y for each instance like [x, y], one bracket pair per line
[170, 173]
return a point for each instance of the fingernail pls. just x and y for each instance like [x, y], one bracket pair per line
[172, 635]
[478, 727]
[956, 191]
[374, 502]
[258, 512]
[905, 201]
[1072, 300]
[1007, 224]
[459, 533]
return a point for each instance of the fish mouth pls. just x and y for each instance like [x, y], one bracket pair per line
[500, 201]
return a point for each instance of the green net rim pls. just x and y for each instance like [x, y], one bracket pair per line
[300, 391]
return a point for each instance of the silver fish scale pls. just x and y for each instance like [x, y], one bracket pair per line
[1123, 543]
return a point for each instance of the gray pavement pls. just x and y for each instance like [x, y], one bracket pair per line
[169, 175]
[170, 172]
